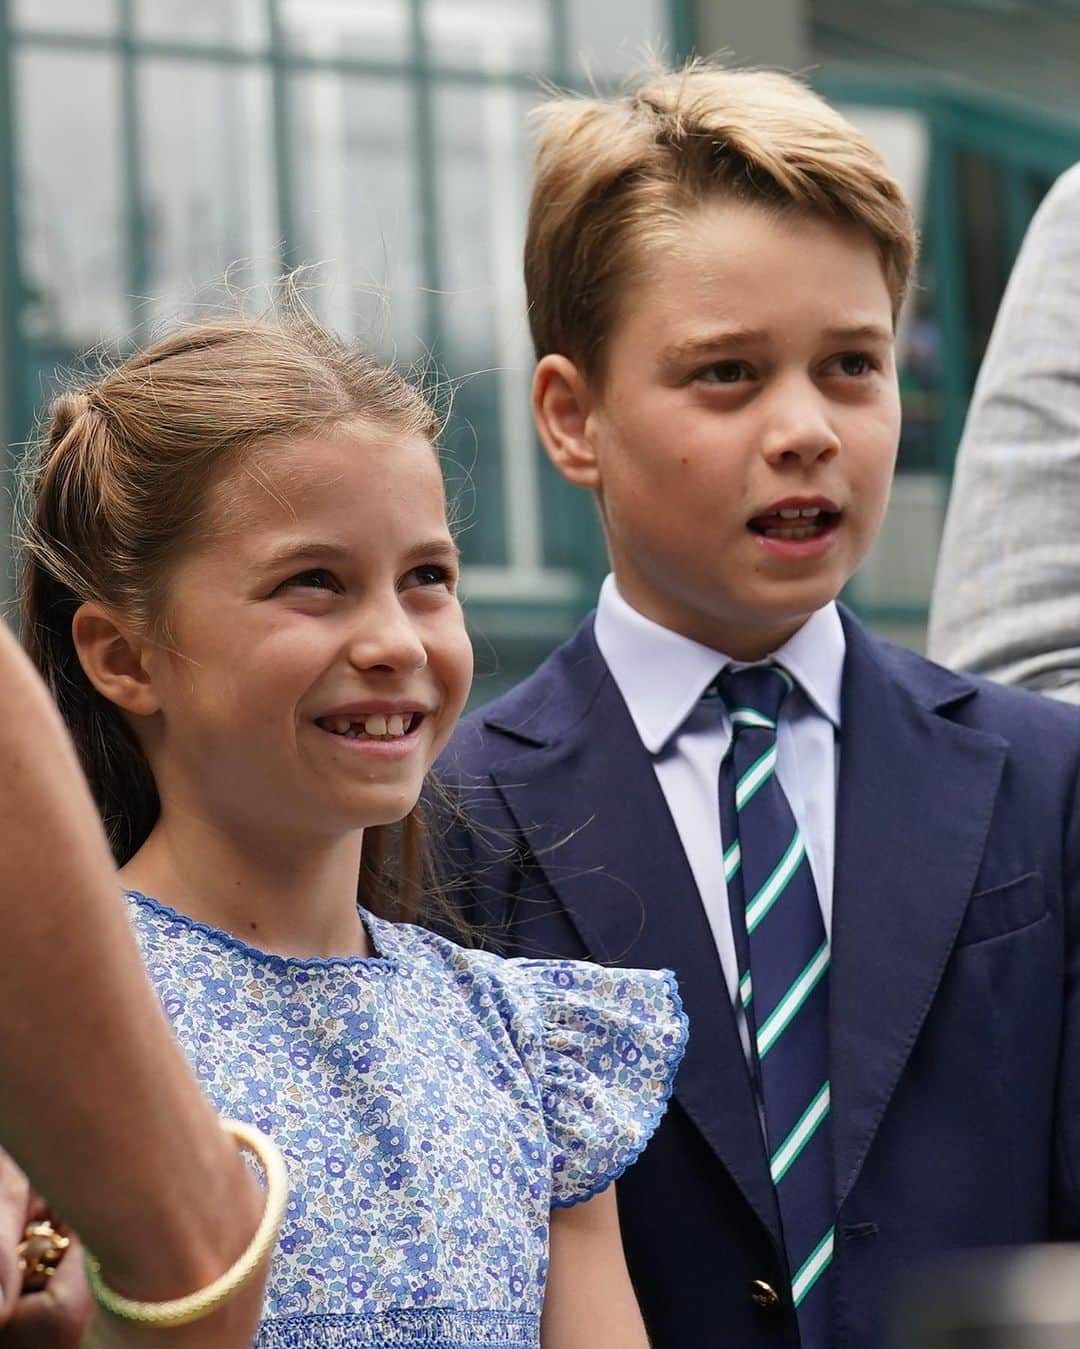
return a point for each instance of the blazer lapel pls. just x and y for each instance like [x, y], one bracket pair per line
[915, 798]
[588, 801]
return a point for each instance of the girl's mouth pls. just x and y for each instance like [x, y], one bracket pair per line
[372, 725]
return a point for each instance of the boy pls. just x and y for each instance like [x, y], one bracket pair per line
[862, 867]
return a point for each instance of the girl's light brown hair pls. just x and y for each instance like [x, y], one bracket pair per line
[118, 485]
[614, 178]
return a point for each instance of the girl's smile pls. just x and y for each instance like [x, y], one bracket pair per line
[318, 659]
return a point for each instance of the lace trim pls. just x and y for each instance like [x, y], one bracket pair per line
[634, 1151]
[402, 1328]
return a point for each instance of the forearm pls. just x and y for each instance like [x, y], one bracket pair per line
[589, 1303]
[96, 1103]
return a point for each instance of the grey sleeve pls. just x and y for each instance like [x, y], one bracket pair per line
[1006, 598]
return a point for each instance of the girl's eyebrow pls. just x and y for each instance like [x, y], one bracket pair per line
[303, 550]
[311, 550]
[441, 547]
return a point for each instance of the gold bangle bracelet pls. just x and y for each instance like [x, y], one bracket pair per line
[182, 1311]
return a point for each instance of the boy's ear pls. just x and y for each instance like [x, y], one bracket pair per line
[562, 401]
[113, 659]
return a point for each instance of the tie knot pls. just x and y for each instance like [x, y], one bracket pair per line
[755, 695]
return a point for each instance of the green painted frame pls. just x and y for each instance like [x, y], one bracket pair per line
[1021, 140]
[547, 620]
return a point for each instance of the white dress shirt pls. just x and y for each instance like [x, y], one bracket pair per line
[662, 676]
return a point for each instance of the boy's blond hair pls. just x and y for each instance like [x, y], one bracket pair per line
[615, 176]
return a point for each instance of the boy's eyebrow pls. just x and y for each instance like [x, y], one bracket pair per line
[860, 332]
[692, 347]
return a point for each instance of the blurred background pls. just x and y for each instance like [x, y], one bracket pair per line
[150, 149]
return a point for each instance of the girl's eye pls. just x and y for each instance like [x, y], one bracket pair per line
[318, 578]
[724, 372]
[431, 574]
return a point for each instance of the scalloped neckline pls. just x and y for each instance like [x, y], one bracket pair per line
[258, 956]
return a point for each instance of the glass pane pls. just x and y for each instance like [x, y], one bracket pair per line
[208, 187]
[65, 16]
[236, 23]
[489, 35]
[364, 30]
[71, 216]
[483, 162]
[355, 204]
[612, 40]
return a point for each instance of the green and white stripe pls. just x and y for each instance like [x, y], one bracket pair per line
[775, 886]
[747, 716]
[732, 859]
[816, 1263]
[755, 777]
[786, 1154]
[792, 1000]
[746, 989]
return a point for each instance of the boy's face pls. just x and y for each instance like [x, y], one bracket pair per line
[745, 430]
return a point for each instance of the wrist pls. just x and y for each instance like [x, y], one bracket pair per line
[204, 1224]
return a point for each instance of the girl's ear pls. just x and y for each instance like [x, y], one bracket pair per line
[561, 403]
[113, 659]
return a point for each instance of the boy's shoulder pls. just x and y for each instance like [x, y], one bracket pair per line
[565, 690]
[973, 700]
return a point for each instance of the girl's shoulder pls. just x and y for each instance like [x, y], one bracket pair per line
[601, 1044]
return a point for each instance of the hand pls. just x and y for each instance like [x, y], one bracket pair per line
[56, 1317]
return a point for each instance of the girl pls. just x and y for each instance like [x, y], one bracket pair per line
[241, 588]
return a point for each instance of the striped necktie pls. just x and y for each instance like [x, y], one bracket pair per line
[783, 984]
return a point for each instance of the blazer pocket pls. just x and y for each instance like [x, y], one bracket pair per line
[1004, 909]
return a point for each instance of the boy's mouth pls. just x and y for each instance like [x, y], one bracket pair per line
[795, 521]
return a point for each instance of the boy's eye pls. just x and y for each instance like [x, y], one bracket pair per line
[318, 578]
[724, 372]
[854, 363]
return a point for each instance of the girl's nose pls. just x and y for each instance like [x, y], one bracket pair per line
[386, 638]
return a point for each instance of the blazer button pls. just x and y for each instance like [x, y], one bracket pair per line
[763, 1294]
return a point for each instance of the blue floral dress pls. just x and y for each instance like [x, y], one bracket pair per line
[433, 1105]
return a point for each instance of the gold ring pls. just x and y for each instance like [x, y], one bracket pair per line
[40, 1251]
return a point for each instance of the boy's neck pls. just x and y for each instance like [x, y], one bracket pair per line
[285, 899]
[738, 639]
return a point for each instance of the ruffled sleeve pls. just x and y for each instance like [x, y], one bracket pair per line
[609, 1043]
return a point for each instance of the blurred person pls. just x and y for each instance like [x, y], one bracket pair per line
[1006, 599]
[864, 869]
[240, 586]
[96, 1102]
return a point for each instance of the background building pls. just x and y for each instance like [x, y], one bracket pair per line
[158, 155]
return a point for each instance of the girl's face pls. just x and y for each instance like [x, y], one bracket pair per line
[317, 658]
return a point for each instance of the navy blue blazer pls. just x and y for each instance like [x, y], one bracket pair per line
[955, 975]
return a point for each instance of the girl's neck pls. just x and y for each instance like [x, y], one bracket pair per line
[289, 898]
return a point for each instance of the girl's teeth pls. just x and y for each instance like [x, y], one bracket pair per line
[375, 725]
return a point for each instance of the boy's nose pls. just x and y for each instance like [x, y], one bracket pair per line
[385, 638]
[800, 432]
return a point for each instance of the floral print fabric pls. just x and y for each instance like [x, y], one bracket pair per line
[433, 1104]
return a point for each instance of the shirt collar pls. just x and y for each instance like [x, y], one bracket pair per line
[661, 674]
